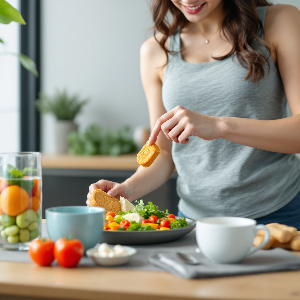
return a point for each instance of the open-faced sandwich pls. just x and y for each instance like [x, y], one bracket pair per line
[123, 215]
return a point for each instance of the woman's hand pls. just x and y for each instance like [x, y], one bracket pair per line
[112, 188]
[180, 123]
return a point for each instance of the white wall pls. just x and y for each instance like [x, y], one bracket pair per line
[92, 47]
[9, 87]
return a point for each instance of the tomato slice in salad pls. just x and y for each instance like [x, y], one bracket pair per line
[153, 219]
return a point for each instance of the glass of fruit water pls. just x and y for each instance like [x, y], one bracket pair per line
[20, 199]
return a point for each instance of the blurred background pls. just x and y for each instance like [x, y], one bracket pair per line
[88, 48]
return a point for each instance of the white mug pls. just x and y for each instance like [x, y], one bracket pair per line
[228, 239]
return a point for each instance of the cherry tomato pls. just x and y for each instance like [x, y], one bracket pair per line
[146, 221]
[161, 219]
[165, 223]
[171, 216]
[41, 251]
[110, 213]
[68, 252]
[36, 188]
[153, 219]
[125, 224]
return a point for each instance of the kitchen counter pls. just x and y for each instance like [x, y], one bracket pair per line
[25, 281]
[95, 162]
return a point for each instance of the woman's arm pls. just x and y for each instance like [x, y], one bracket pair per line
[282, 27]
[145, 180]
[148, 179]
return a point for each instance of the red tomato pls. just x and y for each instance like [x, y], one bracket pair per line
[41, 251]
[161, 219]
[36, 188]
[125, 224]
[171, 216]
[165, 223]
[68, 252]
[153, 219]
[146, 221]
[110, 213]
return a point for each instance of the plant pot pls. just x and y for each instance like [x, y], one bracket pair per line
[62, 129]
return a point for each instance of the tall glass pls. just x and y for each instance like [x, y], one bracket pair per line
[20, 199]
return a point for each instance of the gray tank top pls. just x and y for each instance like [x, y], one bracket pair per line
[219, 177]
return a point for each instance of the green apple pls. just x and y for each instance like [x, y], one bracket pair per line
[3, 234]
[11, 230]
[13, 239]
[7, 220]
[25, 218]
[34, 234]
[24, 235]
[32, 226]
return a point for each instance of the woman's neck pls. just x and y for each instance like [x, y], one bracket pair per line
[211, 24]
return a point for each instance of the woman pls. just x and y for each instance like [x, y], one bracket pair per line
[217, 81]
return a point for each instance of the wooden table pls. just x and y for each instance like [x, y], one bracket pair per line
[26, 281]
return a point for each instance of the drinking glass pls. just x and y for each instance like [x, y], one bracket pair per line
[20, 199]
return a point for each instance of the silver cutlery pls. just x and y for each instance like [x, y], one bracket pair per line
[188, 259]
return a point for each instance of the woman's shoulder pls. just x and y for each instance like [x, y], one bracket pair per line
[280, 22]
[276, 11]
[151, 49]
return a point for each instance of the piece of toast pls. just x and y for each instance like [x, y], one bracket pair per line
[102, 199]
[147, 155]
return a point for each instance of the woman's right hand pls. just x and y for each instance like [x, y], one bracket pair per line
[112, 188]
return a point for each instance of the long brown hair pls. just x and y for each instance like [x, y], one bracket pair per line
[240, 27]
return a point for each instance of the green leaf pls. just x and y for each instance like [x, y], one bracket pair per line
[1, 41]
[62, 105]
[28, 171]
[26, 184]
[28, 64]
[9, 14]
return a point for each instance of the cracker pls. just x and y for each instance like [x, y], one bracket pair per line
[259, 239]
[102, 199]
[147, 155]
[282, 235]
[295, 243]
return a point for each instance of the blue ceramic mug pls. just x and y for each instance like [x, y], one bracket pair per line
[81, 222]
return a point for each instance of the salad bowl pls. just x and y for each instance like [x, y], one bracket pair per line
[146, 237]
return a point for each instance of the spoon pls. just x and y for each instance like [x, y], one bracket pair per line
[188, 259]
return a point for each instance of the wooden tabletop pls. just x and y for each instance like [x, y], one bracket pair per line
[25, 281]
[96, 162]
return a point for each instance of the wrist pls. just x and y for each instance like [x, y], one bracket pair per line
[129, 189]
[224, 127]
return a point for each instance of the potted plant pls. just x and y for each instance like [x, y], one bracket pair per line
[9, 14]
[65, 108]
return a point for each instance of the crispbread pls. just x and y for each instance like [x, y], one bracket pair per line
[102, 199]
[148, 154]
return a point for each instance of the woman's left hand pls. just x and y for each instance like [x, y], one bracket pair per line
[180, 123]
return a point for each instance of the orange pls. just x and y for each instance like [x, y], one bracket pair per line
[14, 200]
[34, 203]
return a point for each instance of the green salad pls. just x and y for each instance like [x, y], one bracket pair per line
[143, 218]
